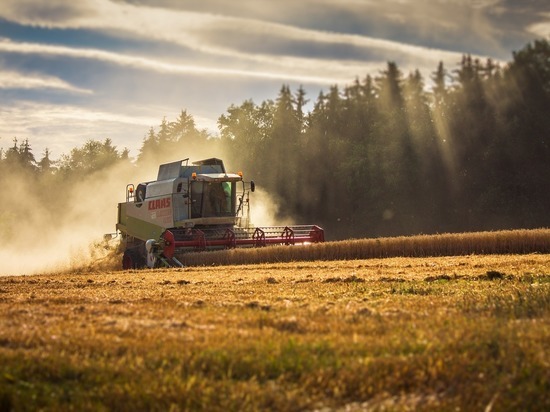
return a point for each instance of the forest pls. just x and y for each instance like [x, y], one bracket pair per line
[393, 154]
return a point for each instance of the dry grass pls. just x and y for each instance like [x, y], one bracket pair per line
[441, 333]
[449, 244]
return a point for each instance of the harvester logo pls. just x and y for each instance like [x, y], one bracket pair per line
[159, 203]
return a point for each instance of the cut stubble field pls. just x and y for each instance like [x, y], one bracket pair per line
[443, 333]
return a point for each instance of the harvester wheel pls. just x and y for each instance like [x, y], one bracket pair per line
[132, 260]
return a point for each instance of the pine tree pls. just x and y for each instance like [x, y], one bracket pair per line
[46, 165]
[149, 147]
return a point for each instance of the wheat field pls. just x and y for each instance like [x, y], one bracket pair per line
[433, 333]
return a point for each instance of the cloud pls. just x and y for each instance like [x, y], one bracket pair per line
[61, 127]
[247, 46]
[139, 62]
[541, 29]
[467, 24]
[49, 13]
[18, 80]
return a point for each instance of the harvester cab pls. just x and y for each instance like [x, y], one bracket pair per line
[194, 207]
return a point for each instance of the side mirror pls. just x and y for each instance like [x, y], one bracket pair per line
[252, 186]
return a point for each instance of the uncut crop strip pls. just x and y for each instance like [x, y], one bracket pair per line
[455, 244]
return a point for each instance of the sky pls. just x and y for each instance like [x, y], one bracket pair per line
[71, 71]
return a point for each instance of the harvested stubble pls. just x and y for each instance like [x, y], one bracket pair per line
[431, 334]
[447, 244]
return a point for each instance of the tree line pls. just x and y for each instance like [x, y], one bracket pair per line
[384, 156]
[392, 154]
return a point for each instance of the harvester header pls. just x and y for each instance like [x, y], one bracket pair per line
[195, 207]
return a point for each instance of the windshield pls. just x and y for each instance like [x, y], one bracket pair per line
[212, 199]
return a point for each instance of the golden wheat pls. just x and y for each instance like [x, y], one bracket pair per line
[438, 333]
[448, 244]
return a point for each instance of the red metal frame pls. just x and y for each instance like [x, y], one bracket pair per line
[288, 235]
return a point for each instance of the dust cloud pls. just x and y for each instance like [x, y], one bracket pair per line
[265, 210]
[58, 227]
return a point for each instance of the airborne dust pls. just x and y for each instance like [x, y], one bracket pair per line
[55, 227]
[51, 226]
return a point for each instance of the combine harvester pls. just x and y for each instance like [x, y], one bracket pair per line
[194, 207]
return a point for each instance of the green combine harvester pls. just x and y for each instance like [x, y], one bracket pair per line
[195, 207]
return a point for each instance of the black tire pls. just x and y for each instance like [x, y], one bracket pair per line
[131, 259]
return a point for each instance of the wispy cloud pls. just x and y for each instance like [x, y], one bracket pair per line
[18, 80]
[139, 62]
[541, 29]
[62, 127]
[239, 42]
